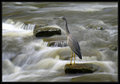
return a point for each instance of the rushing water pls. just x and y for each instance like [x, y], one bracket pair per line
[27, 58]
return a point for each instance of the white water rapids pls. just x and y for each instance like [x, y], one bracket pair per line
[34, 61]
[26, 58]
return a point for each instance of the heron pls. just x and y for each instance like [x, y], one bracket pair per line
[71, 41]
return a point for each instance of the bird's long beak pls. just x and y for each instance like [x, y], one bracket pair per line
[58, 17]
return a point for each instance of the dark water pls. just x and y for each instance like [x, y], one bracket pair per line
[26, 58]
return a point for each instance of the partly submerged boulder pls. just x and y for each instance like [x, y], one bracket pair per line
[97, 27]
[57, 43]
[112, 47]
[46, 31]
[80, 68]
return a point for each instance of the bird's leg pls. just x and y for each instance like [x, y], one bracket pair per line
[71, 58]
[74, 58]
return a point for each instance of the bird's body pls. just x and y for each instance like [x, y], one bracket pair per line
[74, 45]
[72, 42]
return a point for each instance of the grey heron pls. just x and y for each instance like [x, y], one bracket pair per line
[72, 42]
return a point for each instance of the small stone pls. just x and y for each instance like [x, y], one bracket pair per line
[100, 28]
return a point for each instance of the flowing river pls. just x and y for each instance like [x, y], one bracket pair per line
[27, 58]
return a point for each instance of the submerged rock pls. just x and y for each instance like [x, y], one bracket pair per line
[8, 67]
[57, 44]
[95, 27]
[113, 47]
[81, 68]
[46, 31]
[98, 25]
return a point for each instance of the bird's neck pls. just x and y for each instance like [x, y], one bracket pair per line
[67, 30]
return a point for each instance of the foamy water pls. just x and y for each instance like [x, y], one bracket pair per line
[27, 58]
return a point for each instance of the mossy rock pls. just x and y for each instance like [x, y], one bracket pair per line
[46, 31]
[113, 47]
[80, 68]
[97, 27]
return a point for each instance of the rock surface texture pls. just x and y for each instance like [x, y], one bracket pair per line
[80, 68]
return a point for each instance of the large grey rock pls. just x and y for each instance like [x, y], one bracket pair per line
[81, 68]
[46, 31]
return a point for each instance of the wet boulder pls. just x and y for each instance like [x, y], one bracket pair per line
[112, 47]
[46, 31]
[80, 68]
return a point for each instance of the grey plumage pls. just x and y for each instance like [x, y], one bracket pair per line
[74, 45]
